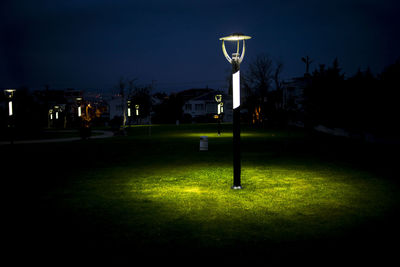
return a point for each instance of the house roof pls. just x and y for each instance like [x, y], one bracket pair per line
[194, 92]
[208, 96]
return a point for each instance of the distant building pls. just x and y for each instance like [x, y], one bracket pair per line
[70, 95]
[202, 105]
[116, 107]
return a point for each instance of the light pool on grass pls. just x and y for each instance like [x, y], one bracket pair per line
[276, 201]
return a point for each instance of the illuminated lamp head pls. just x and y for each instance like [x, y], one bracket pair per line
[9, 92]
[235, 37]
[236, 59]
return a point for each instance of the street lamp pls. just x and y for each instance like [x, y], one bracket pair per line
[137, 110]
[50, 117]
[137, 114]
[218, 98]
[9, 93]
[79, 104]
[236, 59]
[56, 110]
[129, 108]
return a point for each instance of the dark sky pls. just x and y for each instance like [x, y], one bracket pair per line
[92, 43]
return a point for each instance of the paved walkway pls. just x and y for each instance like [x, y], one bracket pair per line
[102, 134]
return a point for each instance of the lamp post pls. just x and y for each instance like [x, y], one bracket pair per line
[218, 98]
[129, 108]
[79, 104]
[50, 118]
[236, 59]
[137, 114]
[9, 93]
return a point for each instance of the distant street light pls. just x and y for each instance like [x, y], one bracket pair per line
[9, 93]
[50, 117]
[129, 108]
[235, 61]
[137, 114]
[56, 110]
[218, 98]
[79, 104]
[137, 110]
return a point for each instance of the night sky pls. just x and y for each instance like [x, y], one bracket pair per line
[90, 44]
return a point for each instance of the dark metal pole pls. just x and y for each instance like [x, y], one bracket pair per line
[219, 124]
[11, 128]
[236, 135]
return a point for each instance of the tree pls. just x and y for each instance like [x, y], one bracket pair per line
[324, 96]
[141, 96]
[359, 104]
[387, 99]
[307, 60]
[121, 87]
[261, 100]
[170, 109]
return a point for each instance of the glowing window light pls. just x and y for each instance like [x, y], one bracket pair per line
[79, 111]
[129, 112]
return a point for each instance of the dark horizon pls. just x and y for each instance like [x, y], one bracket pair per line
[175, 46]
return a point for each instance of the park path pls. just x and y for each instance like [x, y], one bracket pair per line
[102, 134]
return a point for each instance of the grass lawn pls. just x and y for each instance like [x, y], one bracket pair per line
[153, 195]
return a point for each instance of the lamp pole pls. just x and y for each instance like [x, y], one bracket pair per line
[129, 111]
[236, 59]
[218, 98]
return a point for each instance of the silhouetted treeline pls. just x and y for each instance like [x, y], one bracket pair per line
[361, 103]
[262, 90]
[169, 110]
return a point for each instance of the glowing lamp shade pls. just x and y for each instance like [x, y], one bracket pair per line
[79, 111]
[235, 37]
[129, 112]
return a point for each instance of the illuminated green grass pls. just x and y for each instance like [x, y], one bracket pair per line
[278, 203]
[158, 190]
[184, 195]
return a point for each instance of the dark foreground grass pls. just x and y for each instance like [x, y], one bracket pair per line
[154, 196]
